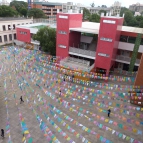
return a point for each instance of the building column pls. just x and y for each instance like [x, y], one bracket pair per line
[139, 76]
[107, 73]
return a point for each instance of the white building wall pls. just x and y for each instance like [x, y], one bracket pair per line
[8, 31]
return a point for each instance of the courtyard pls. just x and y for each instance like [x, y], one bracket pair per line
[59, 109]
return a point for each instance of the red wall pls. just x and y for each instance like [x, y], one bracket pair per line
[23, 37]
[74, 20]
[111, 31]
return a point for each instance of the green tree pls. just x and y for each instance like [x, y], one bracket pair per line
[24, 11]
[102, 11]
[133, 22]
[92, 4]
[86, 13]
[123, 10]
[135, 52]
[128, 16]
[36, 13]
[141, 24]
[94, 18]
[47, 38]
[7, 11]
[20, 6]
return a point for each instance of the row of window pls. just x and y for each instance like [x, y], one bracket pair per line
[4, 28]
[24, 33]
[5, 38]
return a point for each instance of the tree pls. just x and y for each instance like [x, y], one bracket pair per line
[86, 13]
[20, 6]
[36, 13]
[92, 4]
[47, 38]
[94, 18]
[141, 24]
[135, 52]
[102, 11]
[123, 10]
[133, 22]
[7, 11]
[128, 16]
[23, 11]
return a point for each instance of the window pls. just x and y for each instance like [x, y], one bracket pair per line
[54, 9]
[106, 39]
[4, 29]
[15, 36]
[5, 38]
[22, 23]
[62, 32]
[62, 46]
[0, 39]
[9, 27]
[10, 37]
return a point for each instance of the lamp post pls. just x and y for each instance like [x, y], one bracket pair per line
[11, 28]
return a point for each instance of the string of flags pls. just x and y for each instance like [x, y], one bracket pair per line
[69, 106]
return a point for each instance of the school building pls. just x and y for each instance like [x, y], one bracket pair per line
[89, 45]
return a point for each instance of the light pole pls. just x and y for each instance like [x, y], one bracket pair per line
[11, 28]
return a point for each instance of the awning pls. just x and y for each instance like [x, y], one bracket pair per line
[86, 39]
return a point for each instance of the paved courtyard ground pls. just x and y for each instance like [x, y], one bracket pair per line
[77, 114]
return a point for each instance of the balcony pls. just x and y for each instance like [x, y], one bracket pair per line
[125, 59]
[82, 53]
[77, 64]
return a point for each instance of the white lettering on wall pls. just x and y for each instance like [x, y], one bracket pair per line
[109, 21]
[63, 16]
[103, 55]
[62, 46]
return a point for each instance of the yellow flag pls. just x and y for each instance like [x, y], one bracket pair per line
[26, 132]
[23, 139]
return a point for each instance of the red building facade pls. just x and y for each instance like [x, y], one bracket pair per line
[108, 39]
[65, 37]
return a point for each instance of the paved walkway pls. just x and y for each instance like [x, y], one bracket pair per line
[78, 115]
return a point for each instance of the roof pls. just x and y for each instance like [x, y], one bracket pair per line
[49, 3]
[100, 8]
[12, 18]
[86, 27]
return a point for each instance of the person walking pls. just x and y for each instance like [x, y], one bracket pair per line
[21, 99]
[2, 133]
[109, 111]
[60, 93]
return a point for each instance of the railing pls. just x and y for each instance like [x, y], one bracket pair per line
[82, 52]
[125, 58]
[76, 64]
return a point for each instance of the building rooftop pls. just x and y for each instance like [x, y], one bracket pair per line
[92, 27]
[12, 18]
[49, 3]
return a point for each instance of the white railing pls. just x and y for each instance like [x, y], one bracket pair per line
[125, 58]
[82, 52]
